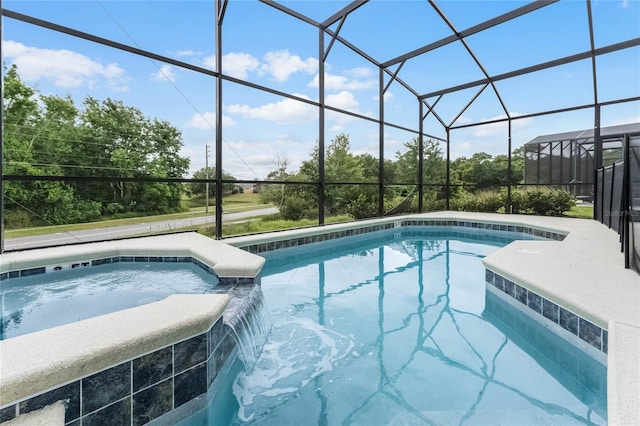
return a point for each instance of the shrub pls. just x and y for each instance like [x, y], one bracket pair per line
[431, 201]
[17, 219]
[362, 207]
[295, 209]
[518, 201]
[481, 201]
[542, 201]
[564, 201]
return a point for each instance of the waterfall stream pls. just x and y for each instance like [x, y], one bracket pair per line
[249, 323]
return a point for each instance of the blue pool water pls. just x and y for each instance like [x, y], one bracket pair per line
[43, 301]
[401, 329]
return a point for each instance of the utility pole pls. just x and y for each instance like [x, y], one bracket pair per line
[206, 174]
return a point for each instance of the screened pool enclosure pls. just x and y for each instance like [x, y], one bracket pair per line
[567, 159]
[326, 111]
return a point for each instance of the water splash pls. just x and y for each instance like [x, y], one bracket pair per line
[248, 319]
[296, 352]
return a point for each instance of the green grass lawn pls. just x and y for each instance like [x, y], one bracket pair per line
[231, 204]
[258, 225]
[580, 211]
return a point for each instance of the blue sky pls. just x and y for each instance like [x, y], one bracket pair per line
[266, 47]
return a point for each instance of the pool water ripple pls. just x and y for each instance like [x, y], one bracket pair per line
[415, 338]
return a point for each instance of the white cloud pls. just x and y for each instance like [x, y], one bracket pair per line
[281, 64]
[289, 111]
[464, 149]
[234, 64]
[207, 121]
[501, 127]
[63, 67]
[340, 82]
[186, 53]
[627, 120]
[286, 111]
[344, 100]
[463, 120]
[261, 155]
[360, 72]
[165, 73]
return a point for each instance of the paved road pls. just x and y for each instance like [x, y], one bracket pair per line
[126, 230]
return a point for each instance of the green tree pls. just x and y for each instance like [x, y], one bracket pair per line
[341, 166]
[484, 170]
[37, 142]
[50, 136]
[129, 145]
[517, 165]
[434, 164]
[199, 188]
[275, 193]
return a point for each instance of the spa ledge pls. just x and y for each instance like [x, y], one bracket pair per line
[224, 260]
[36, 362]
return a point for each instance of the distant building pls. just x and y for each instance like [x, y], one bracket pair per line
[567, 159]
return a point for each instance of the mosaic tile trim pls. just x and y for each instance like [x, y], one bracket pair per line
[233, 281]
[104, 261]
[575, 365]
[142, 389]
[400, 226]
[576, 325]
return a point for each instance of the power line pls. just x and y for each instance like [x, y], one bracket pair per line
[38, 216]
[175, 87]
[72, 166]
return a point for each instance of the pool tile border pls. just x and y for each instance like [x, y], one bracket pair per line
[551, 311]
[104, 261]
[142, 389]
[399, 225]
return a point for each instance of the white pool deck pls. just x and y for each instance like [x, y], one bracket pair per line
[584, 273]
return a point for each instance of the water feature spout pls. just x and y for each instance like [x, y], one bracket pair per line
[248, 322]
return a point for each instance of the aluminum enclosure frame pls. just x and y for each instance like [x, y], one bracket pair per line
[387, 75]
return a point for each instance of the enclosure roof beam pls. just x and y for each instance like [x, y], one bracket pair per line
[106, 42]
[292, 12]
[593, 56]
[222, 9]
[333, 38]
[393, 77]
[533, 6]
[472, 100]
[469, 51]
[432, 106]
[549, 112]
[341, 14]
[432, 111]
[542, 66]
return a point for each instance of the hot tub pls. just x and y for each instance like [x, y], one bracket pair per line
[139, 362]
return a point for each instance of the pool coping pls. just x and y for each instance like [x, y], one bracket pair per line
[27, 370]
[577, 273]
[223, 259]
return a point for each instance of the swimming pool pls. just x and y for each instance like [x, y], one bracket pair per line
[43, 301]
[400, 328]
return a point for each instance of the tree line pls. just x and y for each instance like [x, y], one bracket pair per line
[106, 149]
[359, 196]
[49, 135]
